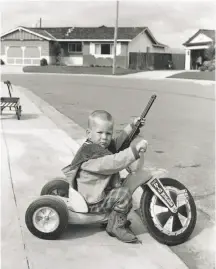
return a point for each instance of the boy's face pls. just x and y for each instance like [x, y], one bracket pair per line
[100, 132]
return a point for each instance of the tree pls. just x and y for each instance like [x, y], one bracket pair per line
[57, 52]
[209, 53]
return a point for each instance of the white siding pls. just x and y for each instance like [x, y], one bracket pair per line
[92, 48]
[201, 38]
[140, 44]
[118, 49]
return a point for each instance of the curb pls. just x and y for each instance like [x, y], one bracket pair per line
[197, 81]
[123, 76]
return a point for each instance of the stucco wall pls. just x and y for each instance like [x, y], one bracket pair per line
[86, 48]
[140, 44]
[89, 60]
[121, 59]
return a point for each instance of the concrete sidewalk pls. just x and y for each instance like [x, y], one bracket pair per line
[155, 74]
[34, 150]
[11, 69]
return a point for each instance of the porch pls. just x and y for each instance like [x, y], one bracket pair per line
[191, 55]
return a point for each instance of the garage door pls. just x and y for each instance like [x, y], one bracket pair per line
[14, 55]
[31, 56]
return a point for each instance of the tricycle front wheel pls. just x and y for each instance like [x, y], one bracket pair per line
[167, 227]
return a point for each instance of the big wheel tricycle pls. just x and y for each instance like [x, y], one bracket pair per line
[167, 207]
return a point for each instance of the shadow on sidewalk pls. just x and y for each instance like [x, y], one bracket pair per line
[79, 231]
[9, 116]
[203, 222]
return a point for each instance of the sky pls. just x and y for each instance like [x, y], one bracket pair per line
[171, 22]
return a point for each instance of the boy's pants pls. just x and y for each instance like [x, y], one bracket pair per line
[118, 199]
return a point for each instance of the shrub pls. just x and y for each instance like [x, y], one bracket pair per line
[203, 68]
[211, 68]
[209, 53]
[150, 68]
[2, 62]
[43, 62]
[207, 63]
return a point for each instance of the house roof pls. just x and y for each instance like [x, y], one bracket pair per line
[207, 32]
[102, 32]
[39, 31]
[88, 33]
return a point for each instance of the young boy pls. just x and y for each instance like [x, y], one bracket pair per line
[97, 165]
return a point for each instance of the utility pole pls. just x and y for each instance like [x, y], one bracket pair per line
[115, 38]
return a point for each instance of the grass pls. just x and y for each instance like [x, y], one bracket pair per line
[77, 70]
[196, 75]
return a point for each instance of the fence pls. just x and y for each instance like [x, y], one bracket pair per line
[157, 61]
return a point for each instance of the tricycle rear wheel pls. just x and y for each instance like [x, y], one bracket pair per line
[57, 187]
[47, 217]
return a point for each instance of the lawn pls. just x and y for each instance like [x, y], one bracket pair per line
[195, 75]
[77, 70]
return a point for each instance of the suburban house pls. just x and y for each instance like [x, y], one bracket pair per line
[79, 45]
[196, 45]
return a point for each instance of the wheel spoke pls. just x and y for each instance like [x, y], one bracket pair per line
[181, 199]
[48, 212]
[182, 219]
[163, 217]
[160, 209]
[183, 211]
[160, 203]
[176, 223]
[39, 218]
[169, 224]
[53, 215]
[173, 196]
[40, 214]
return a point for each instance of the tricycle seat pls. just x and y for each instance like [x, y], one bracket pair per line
[77, 202]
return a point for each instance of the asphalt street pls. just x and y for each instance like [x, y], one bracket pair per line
[180, 127]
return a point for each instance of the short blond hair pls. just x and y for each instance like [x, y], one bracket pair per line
[101, 114]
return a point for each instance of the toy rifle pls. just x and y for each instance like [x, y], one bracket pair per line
[137, 125]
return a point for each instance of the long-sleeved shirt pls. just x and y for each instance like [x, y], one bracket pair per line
[95, 175]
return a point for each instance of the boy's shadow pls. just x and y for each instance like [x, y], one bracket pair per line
[75, 231]
[82, 231]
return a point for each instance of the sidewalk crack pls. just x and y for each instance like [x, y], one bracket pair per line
[14, 195]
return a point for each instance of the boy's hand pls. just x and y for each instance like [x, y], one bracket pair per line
[142, 145]
[142, 122]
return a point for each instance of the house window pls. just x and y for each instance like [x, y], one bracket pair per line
[104, 49]
[75, 47]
